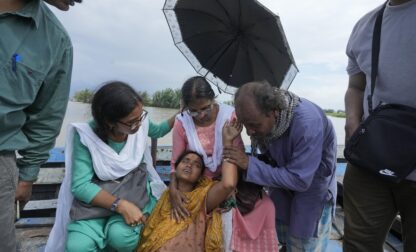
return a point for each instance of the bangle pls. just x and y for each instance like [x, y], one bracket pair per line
[114, 205]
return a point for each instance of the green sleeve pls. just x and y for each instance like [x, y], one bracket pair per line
[82, 172]
[158, 130]
[45, 116]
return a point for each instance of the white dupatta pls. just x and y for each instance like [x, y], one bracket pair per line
[107, 164]
[224, 114]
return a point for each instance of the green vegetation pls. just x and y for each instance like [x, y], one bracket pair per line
[231, 103]
[338, 113]
[166, 98]
[170, 98]
[147, 99]
[84, 96]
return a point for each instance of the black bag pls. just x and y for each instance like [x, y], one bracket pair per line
[385, 143]
[131, 187]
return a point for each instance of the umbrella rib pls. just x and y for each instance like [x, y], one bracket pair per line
[225, 11]
[262, 21]
[204, 13]
[268, 42]
[264, 60]
[218, 58]
[240, 12]
[251, 64]
[230, 42]
[249, 61]
[200, 34]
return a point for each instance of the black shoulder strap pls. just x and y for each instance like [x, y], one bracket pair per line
[375, 55]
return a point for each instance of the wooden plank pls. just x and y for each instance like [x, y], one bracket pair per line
[164, 172]
[40, 204]
[49, 176]
[35, 222]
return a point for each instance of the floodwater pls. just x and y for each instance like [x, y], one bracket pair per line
[80, 112]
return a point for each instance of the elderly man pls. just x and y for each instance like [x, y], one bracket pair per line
[300, 140]
[35, 73]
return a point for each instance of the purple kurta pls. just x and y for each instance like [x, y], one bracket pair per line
[304, 179]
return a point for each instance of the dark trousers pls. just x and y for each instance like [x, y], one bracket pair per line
[8, 182]
[370, 206]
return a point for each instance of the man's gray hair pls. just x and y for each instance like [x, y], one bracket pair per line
[266, 97]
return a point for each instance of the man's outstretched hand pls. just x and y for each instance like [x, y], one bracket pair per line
[63, 4]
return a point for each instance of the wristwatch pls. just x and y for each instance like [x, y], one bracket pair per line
[114, 205]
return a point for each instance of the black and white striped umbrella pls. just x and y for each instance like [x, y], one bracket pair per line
[231, 42]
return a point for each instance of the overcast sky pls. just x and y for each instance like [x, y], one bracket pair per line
[130, 40]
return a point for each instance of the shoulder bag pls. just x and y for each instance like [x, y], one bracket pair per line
[132, 187]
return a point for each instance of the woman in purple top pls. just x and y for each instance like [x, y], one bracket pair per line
[300, 141]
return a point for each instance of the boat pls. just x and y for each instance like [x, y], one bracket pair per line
[35, 220]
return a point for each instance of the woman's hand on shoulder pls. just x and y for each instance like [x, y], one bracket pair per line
[131, 213]
[231, 130]
[178, 209]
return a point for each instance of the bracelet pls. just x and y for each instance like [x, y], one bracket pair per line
[114, 205]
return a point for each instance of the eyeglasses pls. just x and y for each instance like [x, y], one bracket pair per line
[136, 123]
[197, 113]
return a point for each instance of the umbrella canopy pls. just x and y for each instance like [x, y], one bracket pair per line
[231, 42]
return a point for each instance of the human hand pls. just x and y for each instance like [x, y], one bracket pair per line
[236, 156]
[177, 200]
[131, 213]
[231, 130]
[350, 127]
[63, 5]
[23, 192]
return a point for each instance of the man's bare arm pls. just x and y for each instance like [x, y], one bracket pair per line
[354, 103]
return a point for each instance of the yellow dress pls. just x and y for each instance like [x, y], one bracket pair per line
[199, 232]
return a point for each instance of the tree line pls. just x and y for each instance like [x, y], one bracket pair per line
[166, 98]
[338, 113]
[169, 98]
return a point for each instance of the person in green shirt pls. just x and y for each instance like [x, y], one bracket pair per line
[112, 145]
[35, 73]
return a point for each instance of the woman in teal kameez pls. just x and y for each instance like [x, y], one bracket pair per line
[108, 148]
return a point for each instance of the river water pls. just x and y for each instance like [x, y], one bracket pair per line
[80, 112]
